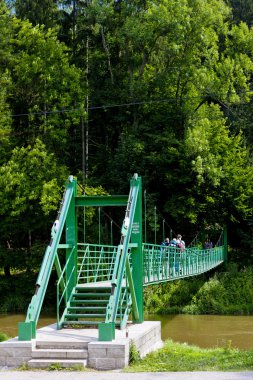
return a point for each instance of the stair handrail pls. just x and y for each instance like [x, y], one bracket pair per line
[35, 305]
[122, 254]
[64, 294]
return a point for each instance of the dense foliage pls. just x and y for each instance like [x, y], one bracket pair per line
[228, 292]
[103, 89]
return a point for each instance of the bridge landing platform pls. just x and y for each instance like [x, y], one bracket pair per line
[80, 347]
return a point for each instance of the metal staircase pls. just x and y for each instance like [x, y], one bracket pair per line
[87, 305]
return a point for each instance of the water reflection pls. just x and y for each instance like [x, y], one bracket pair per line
[202, 330]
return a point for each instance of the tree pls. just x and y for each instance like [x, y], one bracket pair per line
[30, 186]
[242, 11]
[38, 12]
[47, 93]
[215, 174]
[177, 62]
[5, 82]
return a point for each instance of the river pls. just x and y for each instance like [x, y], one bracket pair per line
[205, 331]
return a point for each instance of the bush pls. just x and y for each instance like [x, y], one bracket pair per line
[171, 297]
[3, 337]
[211, 298]
[134, 355]
[225, 293]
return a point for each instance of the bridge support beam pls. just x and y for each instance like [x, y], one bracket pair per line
[137, 254]
[71, 241]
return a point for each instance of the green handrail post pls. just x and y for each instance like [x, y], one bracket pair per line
[99, 225]
[225, 243]
[145, 215]
[155, 222]
[111, 234]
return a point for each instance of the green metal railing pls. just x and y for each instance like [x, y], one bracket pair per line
[168, 263]
[98, 263]
[95, 262]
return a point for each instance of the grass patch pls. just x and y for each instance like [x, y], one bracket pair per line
[58, 367]
[182, 357]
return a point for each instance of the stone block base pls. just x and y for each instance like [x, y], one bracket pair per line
[100, 355]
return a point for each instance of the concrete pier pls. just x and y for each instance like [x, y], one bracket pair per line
[80, 347]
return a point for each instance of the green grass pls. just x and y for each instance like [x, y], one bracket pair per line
[182, 357]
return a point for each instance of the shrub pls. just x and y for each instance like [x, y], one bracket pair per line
[3, 336]
[134, 355]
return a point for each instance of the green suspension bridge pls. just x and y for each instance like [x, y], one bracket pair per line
[102, 285]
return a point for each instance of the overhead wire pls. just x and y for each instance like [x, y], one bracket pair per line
[108, 106]
[105, 106]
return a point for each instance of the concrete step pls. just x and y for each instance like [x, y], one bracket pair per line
[65, 345]
[45, 363]
[59, 353]
[81, 323]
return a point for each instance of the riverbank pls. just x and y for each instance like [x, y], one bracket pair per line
[175, 357]
[229, 292]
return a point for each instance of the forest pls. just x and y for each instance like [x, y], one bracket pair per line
[104, 89]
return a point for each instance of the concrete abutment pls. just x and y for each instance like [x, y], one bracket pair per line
[69, 347]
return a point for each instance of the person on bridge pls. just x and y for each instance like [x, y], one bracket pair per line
[180, 243]
[208, 244]
[173, 243]
[165, 243]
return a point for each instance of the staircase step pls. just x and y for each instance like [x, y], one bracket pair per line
[98, 283]
[89, 301]
[91, 294]
[77, 308]
[94, 288]
[49, 353]
[44, 363]
[81, 315]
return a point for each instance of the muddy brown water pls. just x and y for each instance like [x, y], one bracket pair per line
[205, 331]
[208, 331]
